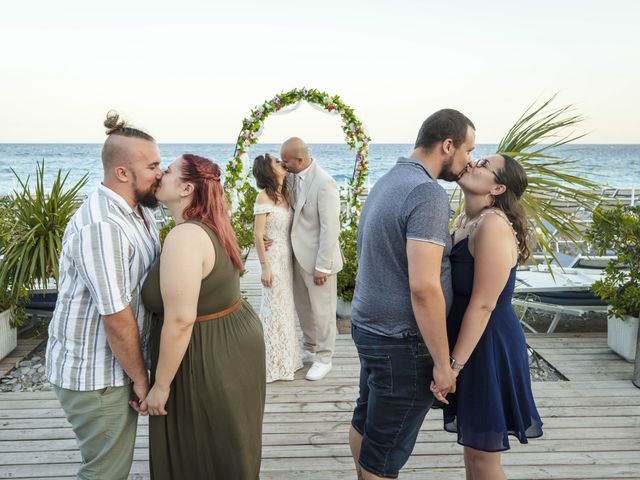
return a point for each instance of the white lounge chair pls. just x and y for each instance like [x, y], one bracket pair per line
[566, 291]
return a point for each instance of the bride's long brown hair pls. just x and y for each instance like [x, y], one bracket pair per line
[266, 178]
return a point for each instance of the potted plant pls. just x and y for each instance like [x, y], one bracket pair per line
[12, 315]
[8, 332]
[347, 276]
[31, 246]
[618, 229]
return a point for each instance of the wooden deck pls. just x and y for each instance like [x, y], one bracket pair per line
[24, 348]
[592, 423]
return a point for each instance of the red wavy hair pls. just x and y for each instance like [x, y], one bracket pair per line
[208, 205]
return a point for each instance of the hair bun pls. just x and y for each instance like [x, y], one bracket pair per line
[114, 122]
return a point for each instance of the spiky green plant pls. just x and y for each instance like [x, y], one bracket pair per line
[33, 248]
[554, 182]
[7, 220]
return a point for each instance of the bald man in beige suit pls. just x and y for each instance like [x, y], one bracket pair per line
[314, 237]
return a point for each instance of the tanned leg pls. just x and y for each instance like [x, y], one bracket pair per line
[484, 465]
[355, 441]
[467, 467]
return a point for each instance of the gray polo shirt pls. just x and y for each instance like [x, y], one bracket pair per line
[407, 203]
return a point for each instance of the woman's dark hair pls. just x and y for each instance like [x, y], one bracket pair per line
[443, 124]
[514, 177]
[208, 204]
[266, 178]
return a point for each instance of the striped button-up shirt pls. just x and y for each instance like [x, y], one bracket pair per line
[107, 250]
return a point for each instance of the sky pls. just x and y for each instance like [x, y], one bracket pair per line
[190, 71]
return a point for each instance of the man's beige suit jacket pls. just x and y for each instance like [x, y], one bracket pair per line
[316, 221]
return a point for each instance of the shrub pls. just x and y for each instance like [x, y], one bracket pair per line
[618, 230]
[32, 245]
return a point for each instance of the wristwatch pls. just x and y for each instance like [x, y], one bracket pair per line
[455, 365]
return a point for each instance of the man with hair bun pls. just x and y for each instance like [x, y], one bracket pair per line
[94, 355]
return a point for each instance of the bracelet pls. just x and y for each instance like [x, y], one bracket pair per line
[455, 365]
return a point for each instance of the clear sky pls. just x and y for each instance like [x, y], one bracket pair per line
[189, 71]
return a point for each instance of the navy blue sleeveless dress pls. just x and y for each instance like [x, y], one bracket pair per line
[493, 397]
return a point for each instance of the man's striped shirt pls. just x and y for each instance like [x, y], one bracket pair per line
[107, 250]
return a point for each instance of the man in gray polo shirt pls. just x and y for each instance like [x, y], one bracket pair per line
[403, 291]
[94, 354]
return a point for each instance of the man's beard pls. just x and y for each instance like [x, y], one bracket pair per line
[146, 199]
[447, 173]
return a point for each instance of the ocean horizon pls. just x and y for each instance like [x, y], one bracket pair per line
[610, 165]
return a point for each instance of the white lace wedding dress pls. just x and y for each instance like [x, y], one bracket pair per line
[277, 308]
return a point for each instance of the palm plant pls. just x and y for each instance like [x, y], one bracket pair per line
[34, 242]
[554, 182]
[6, 221]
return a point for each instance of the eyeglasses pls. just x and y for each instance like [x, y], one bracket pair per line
[484, 163]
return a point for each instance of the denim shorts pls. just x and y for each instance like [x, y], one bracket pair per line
[395, 374]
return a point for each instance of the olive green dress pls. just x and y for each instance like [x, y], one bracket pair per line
[213, 426]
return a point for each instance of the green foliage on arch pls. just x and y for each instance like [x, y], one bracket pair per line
[355, 137]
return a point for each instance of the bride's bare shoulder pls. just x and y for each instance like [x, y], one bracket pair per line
[264, 199]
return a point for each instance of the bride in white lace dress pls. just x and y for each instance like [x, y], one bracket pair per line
[273, 216]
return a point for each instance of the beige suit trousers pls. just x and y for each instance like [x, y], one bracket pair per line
[316, 308]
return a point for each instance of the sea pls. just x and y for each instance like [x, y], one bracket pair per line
[609, 165]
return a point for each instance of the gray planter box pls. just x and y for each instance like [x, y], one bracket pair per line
[8, 335]
[343, 309]
[622, 336]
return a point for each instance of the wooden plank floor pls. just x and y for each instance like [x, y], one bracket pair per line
[25, 347]
[592, 423]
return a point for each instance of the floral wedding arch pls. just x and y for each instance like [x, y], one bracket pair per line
[237, 185]
[355, 137]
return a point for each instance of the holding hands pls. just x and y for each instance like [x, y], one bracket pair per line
[149, 402]
[140, 391]
[444, 382]
[155, 402]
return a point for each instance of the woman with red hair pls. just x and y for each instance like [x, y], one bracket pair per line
[207, 349]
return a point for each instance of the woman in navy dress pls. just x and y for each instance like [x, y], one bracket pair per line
[493, 397]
